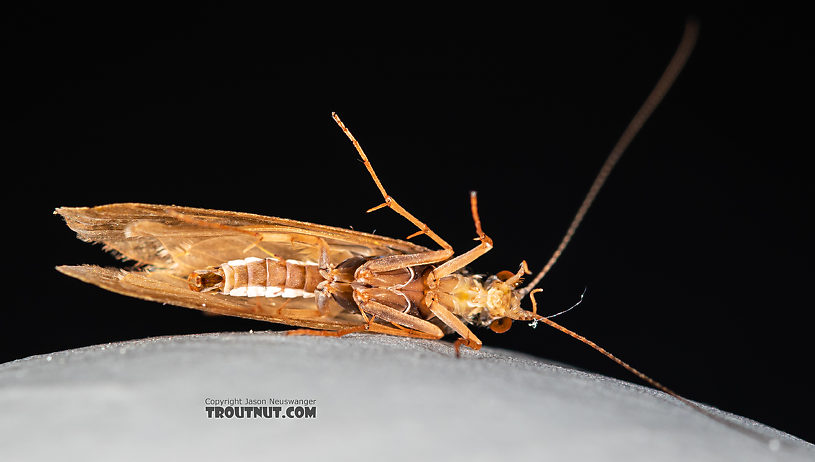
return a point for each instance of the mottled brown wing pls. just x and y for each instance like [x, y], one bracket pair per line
[161, 286]
[173, 241]
[183, 239]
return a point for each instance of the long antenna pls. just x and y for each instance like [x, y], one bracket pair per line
[533, 316]
[680, 57]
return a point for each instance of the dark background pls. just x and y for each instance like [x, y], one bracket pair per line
[696, 255]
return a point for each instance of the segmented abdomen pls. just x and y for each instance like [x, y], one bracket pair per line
[269, 277]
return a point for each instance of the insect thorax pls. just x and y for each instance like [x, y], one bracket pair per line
[476, 302]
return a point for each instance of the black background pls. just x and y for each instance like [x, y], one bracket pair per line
[696, 254]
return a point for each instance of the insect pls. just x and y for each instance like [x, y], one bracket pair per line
[329, 281]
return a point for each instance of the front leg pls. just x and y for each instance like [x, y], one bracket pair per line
[467, 337]
[451, 266]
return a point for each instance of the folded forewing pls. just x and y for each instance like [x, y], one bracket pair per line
[170, 242]
[182, 239]
[165, 287]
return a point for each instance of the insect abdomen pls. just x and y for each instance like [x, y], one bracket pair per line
[269, 277]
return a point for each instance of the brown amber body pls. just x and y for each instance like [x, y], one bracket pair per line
[348, 285]
[256, 277]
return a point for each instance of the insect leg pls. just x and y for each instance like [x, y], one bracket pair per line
[333, 333]
[376, 328]
[467, 337]
[395, 316]
[393, 262]
[455, 264]
[390, 201]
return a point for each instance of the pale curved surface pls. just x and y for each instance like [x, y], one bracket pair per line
[376, 397]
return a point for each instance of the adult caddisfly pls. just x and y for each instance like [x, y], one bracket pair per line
[330, 280]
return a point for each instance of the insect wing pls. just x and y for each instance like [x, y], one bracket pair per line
[173, 241]
[164, 287]
[184, 239]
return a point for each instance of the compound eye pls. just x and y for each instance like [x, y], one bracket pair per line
[504, 275]
[499, 326]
